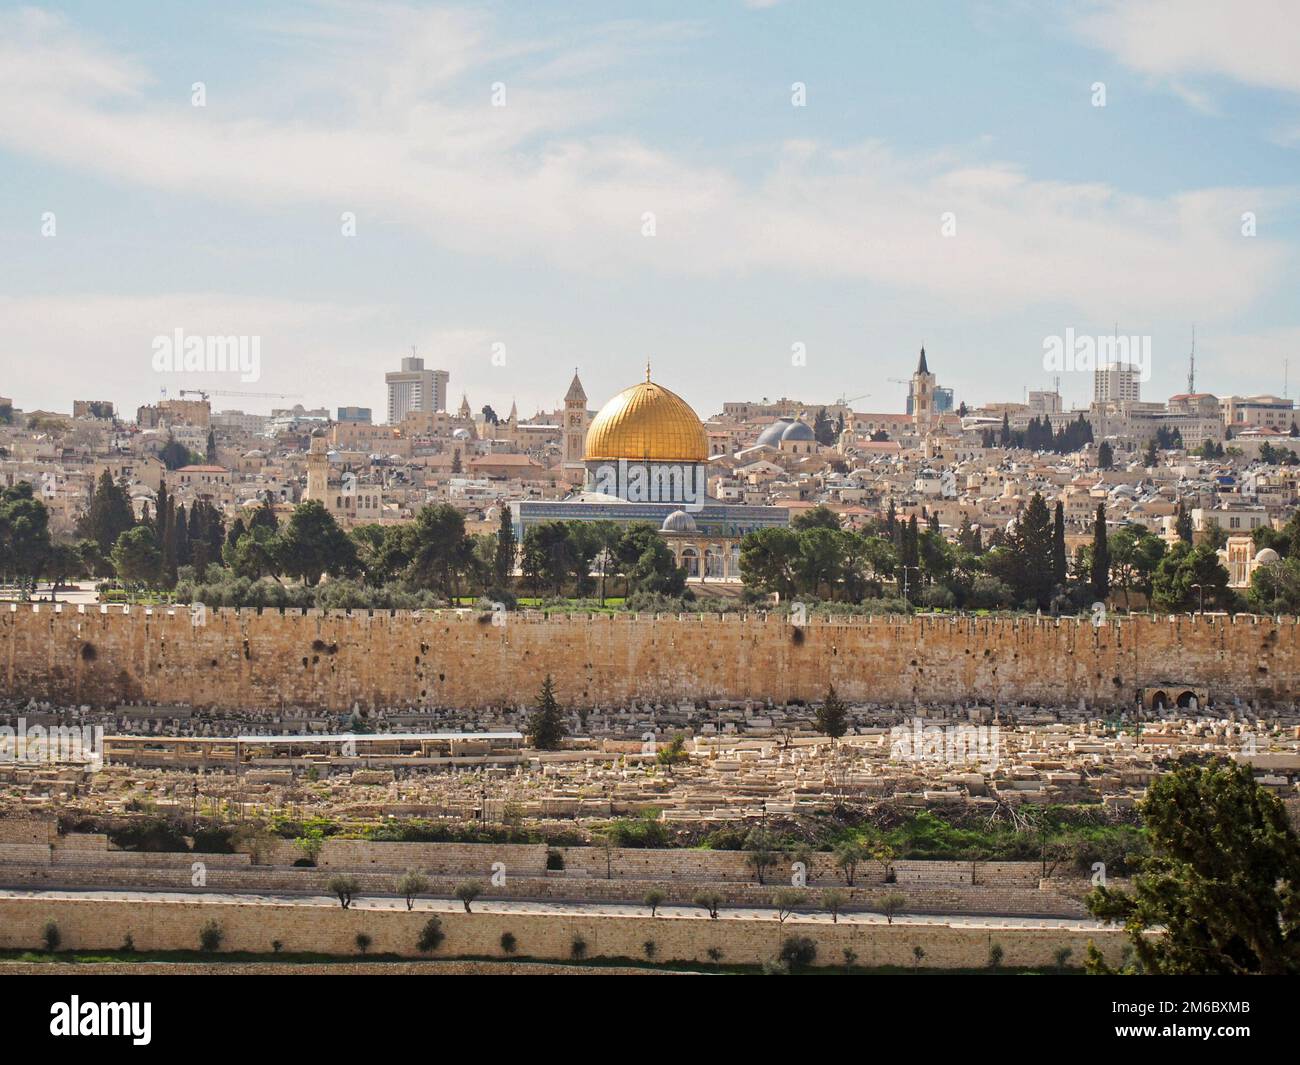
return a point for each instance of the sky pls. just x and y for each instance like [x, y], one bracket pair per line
[761, 198]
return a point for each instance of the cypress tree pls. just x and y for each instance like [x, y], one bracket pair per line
[1058, 545]
[183, 557]
[1100, 557]
[503, 564]
[198, 539]
[169, 555]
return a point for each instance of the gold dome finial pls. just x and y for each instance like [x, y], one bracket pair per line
[647, 371]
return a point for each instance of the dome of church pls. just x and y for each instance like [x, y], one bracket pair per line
[798, 430]
[647, 423]
[678, 522]
[1266, 557]
[771, 436]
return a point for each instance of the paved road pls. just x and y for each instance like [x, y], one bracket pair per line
[557, 908]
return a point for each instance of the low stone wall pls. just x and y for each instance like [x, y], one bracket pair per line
[255, 880]
[520, 872]
[159, 925]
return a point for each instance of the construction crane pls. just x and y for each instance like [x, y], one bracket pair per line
[205, 393]
[844, 401]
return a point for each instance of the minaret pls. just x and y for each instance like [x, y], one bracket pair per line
[318, 468]
[1191, 367]
[923, 395]
[575, 431]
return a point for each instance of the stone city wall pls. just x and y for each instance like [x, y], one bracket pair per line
[334, 660]
[255, 926]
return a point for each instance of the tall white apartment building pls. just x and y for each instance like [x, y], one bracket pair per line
[1120, 382]
[413, 388]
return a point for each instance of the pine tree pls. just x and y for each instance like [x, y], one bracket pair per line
[832, 717]
[108, 516]
[1033, 548]
[1100, 557]
[212, 447]
[545, 724]
[1105, 455]
[1183, 524]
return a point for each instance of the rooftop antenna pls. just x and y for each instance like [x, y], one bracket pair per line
[1191, 367]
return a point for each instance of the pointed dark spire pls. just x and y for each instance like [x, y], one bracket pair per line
[921, 366]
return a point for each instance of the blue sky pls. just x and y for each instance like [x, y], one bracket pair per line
[522, 225]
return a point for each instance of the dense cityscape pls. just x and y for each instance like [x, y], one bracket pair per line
[404, 572]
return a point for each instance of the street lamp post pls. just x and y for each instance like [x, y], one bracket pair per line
[905, 585]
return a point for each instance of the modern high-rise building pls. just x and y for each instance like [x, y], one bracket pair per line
[1120, 382]
[413, 388]
[943, 401]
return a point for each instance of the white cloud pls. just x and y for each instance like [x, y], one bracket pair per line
[406, 134]
[1254, 42]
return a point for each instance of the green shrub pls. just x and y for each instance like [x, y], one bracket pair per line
[431, 936]
[210, 937]
[798, 952]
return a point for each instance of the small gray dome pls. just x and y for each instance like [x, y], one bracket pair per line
[679, 522]
[798, 431]
[1266, 556]
[771, 436]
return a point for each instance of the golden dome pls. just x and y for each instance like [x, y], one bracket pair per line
[647, 423]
